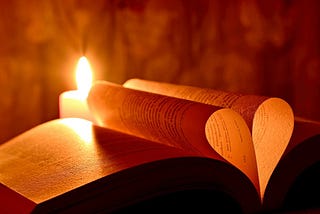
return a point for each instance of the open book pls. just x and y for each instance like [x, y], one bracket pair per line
[157, 146]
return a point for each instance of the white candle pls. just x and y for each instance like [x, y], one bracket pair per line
[74, 103]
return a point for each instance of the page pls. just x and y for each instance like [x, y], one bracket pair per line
[269, 119]
[304, 128]
[72, 166]
[229, 135]
[175, 122]
[272, 128]
[62, 155]
[301, 157]
[244, 104]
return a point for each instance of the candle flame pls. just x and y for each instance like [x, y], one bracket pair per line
[83, 75]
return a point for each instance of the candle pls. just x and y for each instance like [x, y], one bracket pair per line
[74, 103]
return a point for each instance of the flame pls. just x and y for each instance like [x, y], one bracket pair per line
[83, 75]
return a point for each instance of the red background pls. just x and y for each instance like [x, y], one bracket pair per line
[263, 47]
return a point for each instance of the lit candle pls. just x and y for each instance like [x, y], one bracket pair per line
[74, 103]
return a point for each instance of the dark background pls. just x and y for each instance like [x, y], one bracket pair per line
[263, 47]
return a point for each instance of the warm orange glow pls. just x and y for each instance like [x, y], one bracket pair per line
[81, 128]
[83, 75]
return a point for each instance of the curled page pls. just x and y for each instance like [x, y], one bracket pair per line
[229, 135]
[299, 168]
[185, 124]
[270, 120]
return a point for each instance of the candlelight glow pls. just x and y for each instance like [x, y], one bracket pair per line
[81, 128]
[83, 75]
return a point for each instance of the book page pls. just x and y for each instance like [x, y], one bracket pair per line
[246, 105]
[272, 129]
[72, 166]
[177, 122]
[300, 156]
[64, 154]
[229, 135]
[270, 120]
[304, 128]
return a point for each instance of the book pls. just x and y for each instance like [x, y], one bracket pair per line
[158, 147]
